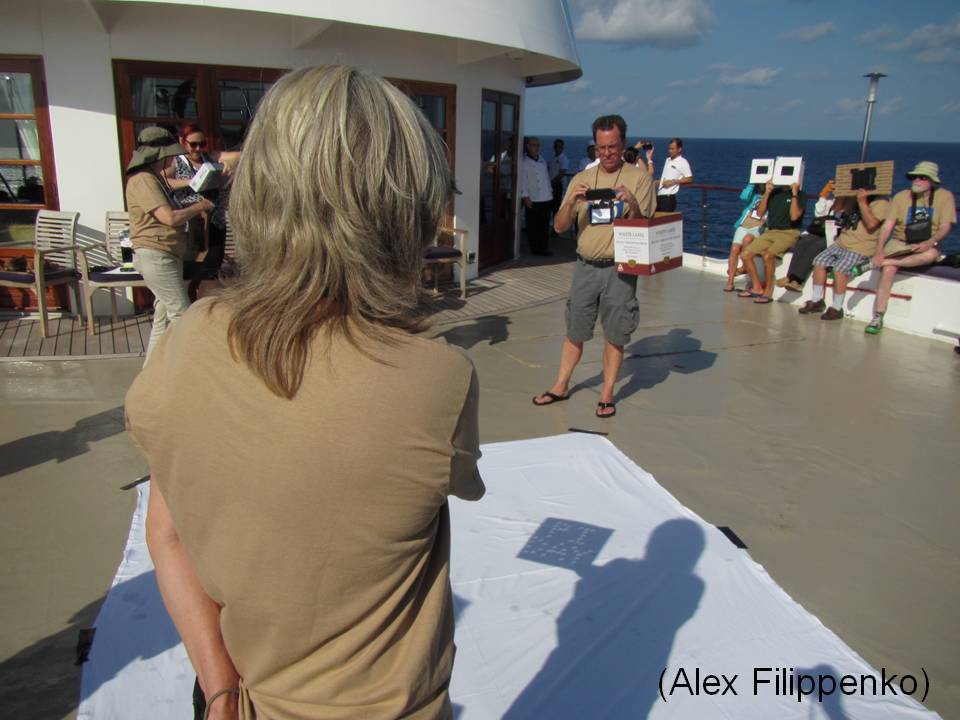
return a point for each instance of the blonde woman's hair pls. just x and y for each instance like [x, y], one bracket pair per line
[341, 185]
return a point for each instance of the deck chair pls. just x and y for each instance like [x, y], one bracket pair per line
[55, 260]
[108, 276]
[437, 254]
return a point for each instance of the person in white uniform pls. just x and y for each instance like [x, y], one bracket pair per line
[536, 196]
[676, 172]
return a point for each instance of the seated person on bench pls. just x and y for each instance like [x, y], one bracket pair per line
[855, 244]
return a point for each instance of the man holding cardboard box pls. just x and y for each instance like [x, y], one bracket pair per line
[596, 197]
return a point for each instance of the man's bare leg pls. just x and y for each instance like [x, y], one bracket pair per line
[570, 355]
[612, 361]
[769, 260]
[751, 267]
[889, 272]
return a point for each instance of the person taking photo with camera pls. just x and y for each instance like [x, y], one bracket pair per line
[596, 197]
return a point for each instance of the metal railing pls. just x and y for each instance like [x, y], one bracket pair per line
[704, 207]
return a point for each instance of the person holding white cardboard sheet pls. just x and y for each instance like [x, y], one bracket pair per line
[596, 197]
[857, 241]
[920, 217]
[784, 207]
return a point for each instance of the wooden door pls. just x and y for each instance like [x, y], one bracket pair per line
[500, 116]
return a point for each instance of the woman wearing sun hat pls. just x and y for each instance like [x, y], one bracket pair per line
[919, 218]
[157, 227]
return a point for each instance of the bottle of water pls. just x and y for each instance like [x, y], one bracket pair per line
[126, 250]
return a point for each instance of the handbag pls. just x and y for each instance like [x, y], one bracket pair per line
[918, 231]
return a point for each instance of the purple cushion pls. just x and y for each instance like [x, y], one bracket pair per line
[29, 277]
[441, 252]
[99, 274]
[938, 271]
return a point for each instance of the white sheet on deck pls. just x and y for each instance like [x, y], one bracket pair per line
[577, 580]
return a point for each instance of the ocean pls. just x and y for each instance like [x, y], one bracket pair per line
[727, 163]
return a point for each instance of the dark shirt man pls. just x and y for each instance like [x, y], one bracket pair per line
[597, 288]
[784, 209]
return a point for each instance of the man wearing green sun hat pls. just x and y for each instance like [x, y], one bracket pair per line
[919, 218]
[157, 225]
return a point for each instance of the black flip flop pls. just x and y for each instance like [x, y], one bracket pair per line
[604, 406]
[554, 398]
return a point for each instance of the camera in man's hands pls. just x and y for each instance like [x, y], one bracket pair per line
[646, 146]
[601, 202]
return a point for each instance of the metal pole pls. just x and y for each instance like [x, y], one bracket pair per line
[871, 101]
[704, 225]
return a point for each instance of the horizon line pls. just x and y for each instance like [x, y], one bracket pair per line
[703, 137]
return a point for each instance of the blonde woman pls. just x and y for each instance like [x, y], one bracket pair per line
[304, 558]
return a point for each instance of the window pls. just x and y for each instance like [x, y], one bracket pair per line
[437, 101]
[221, 99]
[27, 177]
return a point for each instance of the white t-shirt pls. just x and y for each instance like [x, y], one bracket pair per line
[674, 169]
[535, 182]
[557, 164]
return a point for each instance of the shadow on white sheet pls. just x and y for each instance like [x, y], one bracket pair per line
[577, 581]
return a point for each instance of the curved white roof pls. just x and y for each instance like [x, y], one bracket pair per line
[538, 33]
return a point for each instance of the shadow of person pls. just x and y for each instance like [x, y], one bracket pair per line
[491, 328]
[43, 680]
[832, 705]
[614, 637]
[649, 362]
[139, 628]
[60, 445]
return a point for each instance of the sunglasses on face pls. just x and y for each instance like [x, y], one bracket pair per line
[197, 145]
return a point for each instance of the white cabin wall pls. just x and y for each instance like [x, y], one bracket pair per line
[78, 46]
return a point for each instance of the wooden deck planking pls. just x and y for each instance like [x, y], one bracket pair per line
[494, 293]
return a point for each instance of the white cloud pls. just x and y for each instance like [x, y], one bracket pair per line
[659, 23]
[811, 33]
[789, 105]
[758, 77]
[686, 84]
[656, 102]
[934, 35]
[719, 103]
[609, 105]
[577, 86]
[937, 56]
[877, 34]
[891, 106]
[951, 107]
[849, 106]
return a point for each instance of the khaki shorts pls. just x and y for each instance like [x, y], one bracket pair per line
[605, 292]
[775, 241]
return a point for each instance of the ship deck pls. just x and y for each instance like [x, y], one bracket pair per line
[829, 453]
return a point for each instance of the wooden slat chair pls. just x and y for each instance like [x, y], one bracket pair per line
[437, 255]
[229, 268]
[107, 277]
[55, 242]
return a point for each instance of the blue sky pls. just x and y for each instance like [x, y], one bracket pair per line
[760, 69]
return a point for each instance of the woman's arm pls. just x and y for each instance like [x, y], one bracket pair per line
[175, 183]
[195, 615]
[229, 158]
[173, 218]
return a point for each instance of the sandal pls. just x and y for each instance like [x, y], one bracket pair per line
[606, 406]
[748, 294]
[762, 299]
[554, 398]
